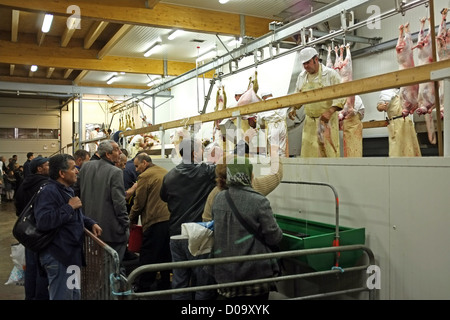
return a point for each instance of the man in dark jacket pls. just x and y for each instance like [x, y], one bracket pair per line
[26, 165]
[36, 282]
[185, 188]
[57, 207]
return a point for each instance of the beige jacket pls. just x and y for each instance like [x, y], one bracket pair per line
[147, 202]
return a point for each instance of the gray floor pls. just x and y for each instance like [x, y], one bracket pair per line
[7, 219]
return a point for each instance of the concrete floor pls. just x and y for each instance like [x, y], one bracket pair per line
[7, 219]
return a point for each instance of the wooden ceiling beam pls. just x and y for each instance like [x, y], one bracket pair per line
[114, 40]
[35, 80]
[67, 35]
[80, 59]
[67, 73]
[15, 25]
[80, 77]
[94, 32]
[162, 15]
[150, 4]
[50, 72]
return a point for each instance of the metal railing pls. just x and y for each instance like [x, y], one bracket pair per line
[279, 255]
[100, 278]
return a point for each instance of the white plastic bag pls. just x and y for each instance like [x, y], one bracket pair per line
[17, 275]
[201, 237]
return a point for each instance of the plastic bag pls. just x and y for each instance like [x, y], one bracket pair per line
[201, 237]
[17, 275]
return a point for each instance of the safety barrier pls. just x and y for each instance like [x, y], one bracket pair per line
[100, 278]
[280, 255]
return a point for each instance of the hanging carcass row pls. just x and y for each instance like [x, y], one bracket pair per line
[426, 97]
[221, 104]
[409, 94]
[248, 125]
[346, 72]
[443, 51]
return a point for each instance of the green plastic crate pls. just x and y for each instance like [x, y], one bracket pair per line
[320, 235]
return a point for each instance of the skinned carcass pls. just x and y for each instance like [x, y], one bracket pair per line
[346, 73]
[409, 94]
[443, 52]
[427, 96]
[250, 95]
[329, 61]
[221, 104]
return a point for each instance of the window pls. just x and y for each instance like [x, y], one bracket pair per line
[28, 133]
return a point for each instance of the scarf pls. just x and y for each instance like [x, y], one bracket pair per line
[239, 172]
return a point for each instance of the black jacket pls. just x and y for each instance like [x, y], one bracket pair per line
[27, 189]
[185, 188]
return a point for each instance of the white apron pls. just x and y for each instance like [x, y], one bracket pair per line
[402, 134]
[311, 147]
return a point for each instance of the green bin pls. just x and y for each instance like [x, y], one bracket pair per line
[319, 235]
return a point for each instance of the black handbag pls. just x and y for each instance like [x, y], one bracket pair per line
[26, 232]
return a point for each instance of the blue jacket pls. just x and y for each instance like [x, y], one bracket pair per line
[52, 210]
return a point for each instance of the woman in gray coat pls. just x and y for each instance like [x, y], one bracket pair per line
[231, 238]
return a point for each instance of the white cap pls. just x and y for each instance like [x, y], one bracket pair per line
[387, 95]
[266, 93]
[307, 53]
[128, 129]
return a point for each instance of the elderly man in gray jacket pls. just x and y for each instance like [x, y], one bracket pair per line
[103, 196]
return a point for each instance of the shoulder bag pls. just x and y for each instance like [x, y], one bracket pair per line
[26, 232]
[250, 229]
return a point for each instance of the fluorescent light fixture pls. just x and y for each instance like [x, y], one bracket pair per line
[33, 68]
[175, 34]
[223, 1]
[47, 23]
[155, 47]
[111, 80]
[207, 54]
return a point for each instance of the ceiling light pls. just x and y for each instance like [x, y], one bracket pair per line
[223, 1]
[47, 23]
[111, 80]
[207, 53]
[156, 46]
[175, 34]
[33, 68]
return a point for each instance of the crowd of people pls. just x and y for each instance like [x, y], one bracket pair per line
[108, 196]
[109, 190]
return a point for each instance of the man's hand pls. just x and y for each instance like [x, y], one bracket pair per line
[75, 202]
[326, 116]
[97, 230]
[292, 113]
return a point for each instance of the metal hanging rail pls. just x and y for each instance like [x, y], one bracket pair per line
[279, 34]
